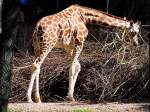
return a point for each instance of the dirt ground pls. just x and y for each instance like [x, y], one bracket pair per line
[79, 107]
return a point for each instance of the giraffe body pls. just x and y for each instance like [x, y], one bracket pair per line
[66, 29]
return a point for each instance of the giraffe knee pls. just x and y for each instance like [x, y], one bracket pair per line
[35, 68]
[78, 67]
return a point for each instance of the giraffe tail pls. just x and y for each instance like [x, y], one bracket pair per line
[36, 41]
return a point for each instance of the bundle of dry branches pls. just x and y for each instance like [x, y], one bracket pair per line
[113, 69]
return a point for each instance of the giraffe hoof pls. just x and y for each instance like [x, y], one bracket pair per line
[38, 102]
[37, 99]
[30, 101]
[70, 99]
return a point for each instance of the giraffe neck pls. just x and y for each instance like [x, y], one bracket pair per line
[91, 16]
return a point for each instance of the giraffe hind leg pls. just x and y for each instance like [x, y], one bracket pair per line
[35, 71]
[35, 76]
[37, 94]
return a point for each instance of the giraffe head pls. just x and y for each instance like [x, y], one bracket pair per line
[135, 27]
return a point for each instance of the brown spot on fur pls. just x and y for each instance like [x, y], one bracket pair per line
[46, 35]
[54, 29]
[66, 26]
[67, 30]
[65, 15]
[70, 10]
[56, 17]
[49, 39]
[52, 35]
[44, 27]
[74, 8]
[80, 33]
[50, 17]
[50, 28]
[60, 16]
[81, 10]
[68, 13]
[55, 20]
[54, 40]
[42, 23]
[62, 21]
[49, 22]
[54, 24]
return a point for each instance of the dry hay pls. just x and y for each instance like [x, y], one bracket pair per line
[112, 69]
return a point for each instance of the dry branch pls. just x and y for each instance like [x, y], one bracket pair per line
[112, 69]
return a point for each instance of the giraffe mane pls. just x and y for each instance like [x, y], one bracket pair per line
[110, 15]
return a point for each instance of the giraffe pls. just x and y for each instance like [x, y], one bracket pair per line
[67, 29]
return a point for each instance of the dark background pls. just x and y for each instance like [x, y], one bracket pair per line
[132, 9]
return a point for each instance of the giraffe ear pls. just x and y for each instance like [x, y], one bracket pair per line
[131, 23]
[138, 23]
[136, 27]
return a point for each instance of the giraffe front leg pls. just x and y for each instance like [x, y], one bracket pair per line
[71, 83]
[73, 72]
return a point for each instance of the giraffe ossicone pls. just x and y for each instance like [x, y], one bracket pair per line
[67, 29]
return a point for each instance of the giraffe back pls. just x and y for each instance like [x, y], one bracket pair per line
[60, 30]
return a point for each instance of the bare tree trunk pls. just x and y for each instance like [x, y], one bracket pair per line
[9, 28]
